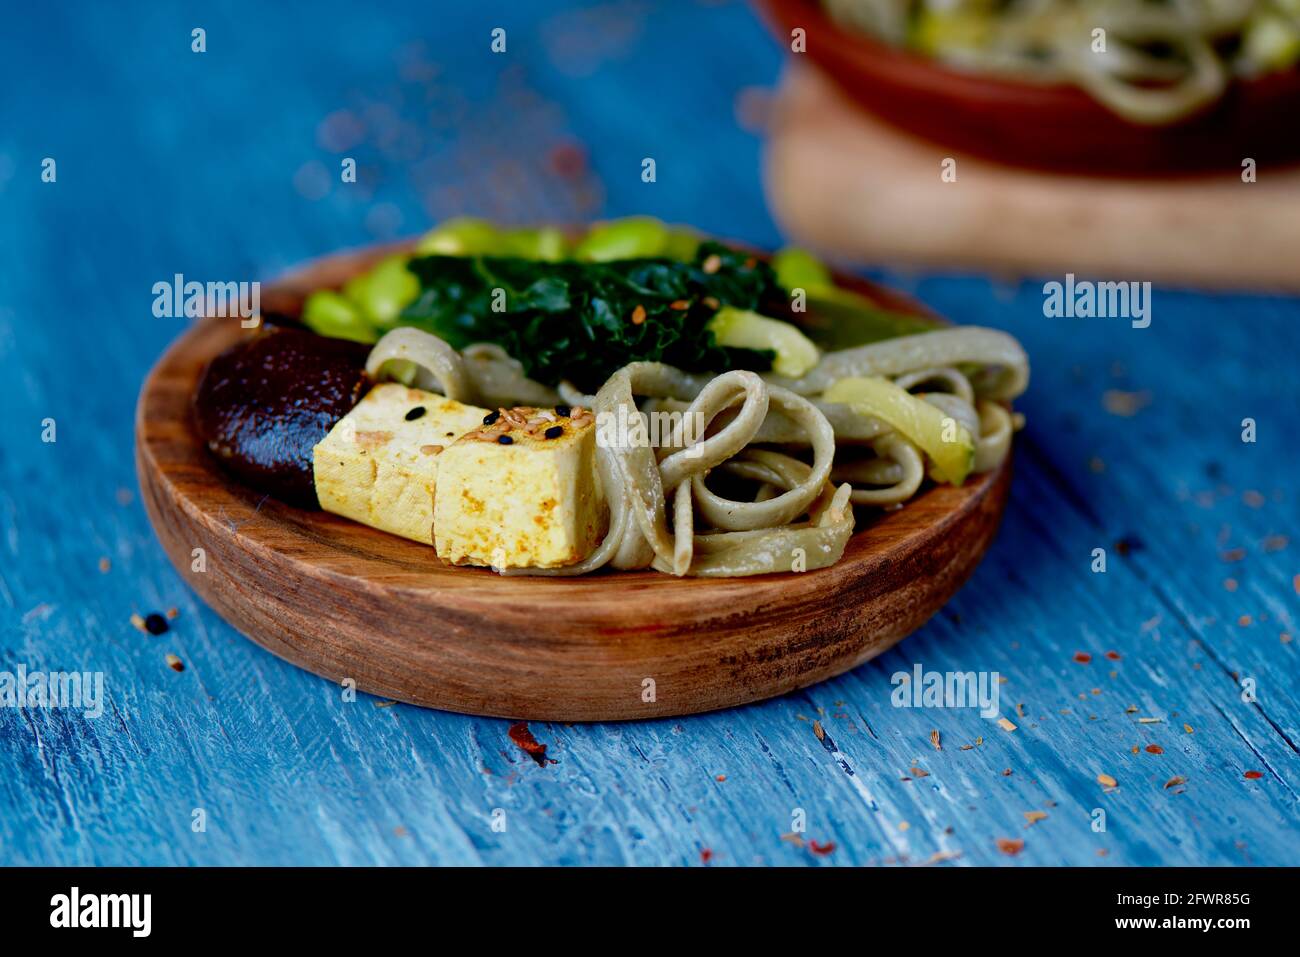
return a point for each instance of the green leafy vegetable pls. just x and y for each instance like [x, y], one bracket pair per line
[584, 321]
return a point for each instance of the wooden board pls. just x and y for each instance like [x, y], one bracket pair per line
[844, 182]
[345, 601]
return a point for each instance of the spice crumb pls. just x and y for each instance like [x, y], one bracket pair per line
[105, 566]
[1107, 781]
[174, 663]
[1010, 846]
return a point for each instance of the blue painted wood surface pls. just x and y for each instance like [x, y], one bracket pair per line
[224, 165]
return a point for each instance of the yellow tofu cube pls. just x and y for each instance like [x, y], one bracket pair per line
[521, 492]
[379, 464]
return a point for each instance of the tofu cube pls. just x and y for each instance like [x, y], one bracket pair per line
[521, 492]
[379, 465]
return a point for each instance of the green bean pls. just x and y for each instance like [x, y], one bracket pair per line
[331, 314]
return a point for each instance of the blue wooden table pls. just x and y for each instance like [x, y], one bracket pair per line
[224, 165]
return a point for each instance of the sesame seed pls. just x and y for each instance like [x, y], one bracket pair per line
[554, 432]
[505, 440]
[563, 411]
[430, 449]
[491, 417]
[713, 264]
[680, 305]
[638, 315]
[415, 413]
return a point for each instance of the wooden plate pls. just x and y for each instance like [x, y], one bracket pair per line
[346, 601]
[1054, 126]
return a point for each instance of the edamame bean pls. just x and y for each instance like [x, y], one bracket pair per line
[682, 244]
[800, 269]
[632, 238]
[382, 293]
[463, 237]
[331, 314]
[546, 244]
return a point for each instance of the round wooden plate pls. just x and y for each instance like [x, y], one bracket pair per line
[346, 601]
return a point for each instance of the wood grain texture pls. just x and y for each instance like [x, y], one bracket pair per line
[346, 601]
[850, 184]
[289, 772]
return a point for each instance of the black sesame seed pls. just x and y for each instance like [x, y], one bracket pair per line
[554, 432]
[563, 410]
[155, 624]
[491, 417]
[505, 440]
[415, 413]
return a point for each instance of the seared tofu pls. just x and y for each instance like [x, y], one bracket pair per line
[521, 491]
[379, 465]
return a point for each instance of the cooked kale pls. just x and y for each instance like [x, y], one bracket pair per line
[583, 321]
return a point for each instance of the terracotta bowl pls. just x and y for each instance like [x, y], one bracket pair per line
[1056, 126]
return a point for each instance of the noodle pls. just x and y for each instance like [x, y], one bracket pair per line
[778, 435]
[1163, 59]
